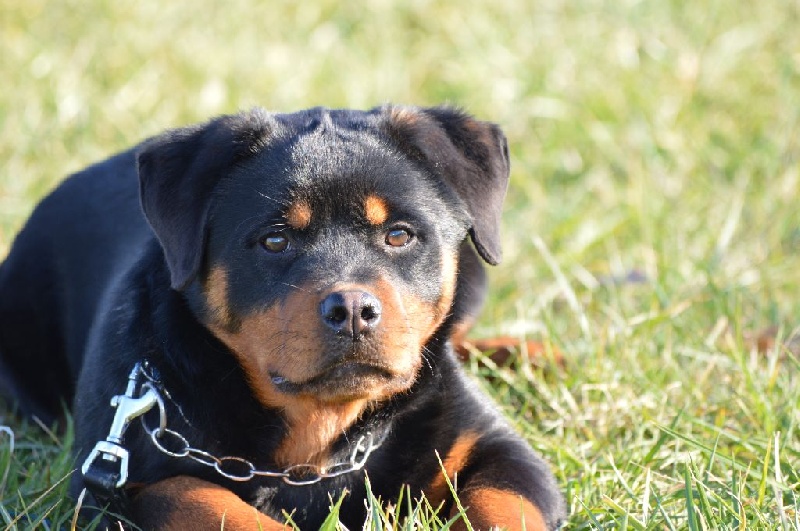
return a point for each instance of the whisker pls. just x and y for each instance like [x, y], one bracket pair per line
[304, 290]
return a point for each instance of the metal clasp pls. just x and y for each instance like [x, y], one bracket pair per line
[127, 408]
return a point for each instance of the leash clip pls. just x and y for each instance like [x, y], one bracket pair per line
[128, 407]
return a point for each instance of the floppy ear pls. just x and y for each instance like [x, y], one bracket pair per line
[178, 172]
[470, 156]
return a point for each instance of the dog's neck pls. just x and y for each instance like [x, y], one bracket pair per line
[313, 427]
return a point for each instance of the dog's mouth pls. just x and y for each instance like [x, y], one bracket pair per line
[344, 381]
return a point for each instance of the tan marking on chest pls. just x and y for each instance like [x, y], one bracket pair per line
[313, 427]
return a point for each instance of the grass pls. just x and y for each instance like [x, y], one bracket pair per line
[652, 229]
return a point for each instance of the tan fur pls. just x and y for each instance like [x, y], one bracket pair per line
[453, 462]
[216, 290]
[288, 339]
[448, 293]
[313, 427]
[278, 339]
[430, 317]
[376, 210]
[298, 216]
[185, 502]
[490, 508]
[404, 116]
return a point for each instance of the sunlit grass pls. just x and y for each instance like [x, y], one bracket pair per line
[652, 226]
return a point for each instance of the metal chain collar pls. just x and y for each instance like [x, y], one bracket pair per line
[240, 469]
[141, 396]
[237, 468]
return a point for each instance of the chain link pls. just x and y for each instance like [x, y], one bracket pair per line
[173, 444]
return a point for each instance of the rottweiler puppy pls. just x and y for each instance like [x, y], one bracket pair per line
[286, 286]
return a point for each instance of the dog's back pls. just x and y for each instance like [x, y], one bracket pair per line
[53, 280]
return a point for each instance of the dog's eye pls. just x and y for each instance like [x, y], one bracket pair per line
[275, 242]
[398, 237]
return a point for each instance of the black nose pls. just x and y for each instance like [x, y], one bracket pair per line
[353, 313]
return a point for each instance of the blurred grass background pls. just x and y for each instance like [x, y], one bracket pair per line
[652, 232]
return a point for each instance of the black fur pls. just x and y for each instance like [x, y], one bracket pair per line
[95, 282]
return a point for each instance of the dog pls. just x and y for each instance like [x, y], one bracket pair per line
[267, 302]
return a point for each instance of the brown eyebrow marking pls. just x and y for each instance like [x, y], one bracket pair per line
[376, 210]
[299, 215]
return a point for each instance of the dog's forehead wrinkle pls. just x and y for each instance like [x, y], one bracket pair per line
[332, 155]
[322, 121]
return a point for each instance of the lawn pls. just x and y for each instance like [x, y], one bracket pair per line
[652, 228]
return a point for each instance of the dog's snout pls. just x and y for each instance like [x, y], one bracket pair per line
[352, 313]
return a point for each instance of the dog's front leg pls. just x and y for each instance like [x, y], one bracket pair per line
[491, 508]
[185, 502]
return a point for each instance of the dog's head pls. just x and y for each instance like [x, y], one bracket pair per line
[322, 247]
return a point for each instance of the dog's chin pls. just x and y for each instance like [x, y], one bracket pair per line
[347, 382]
